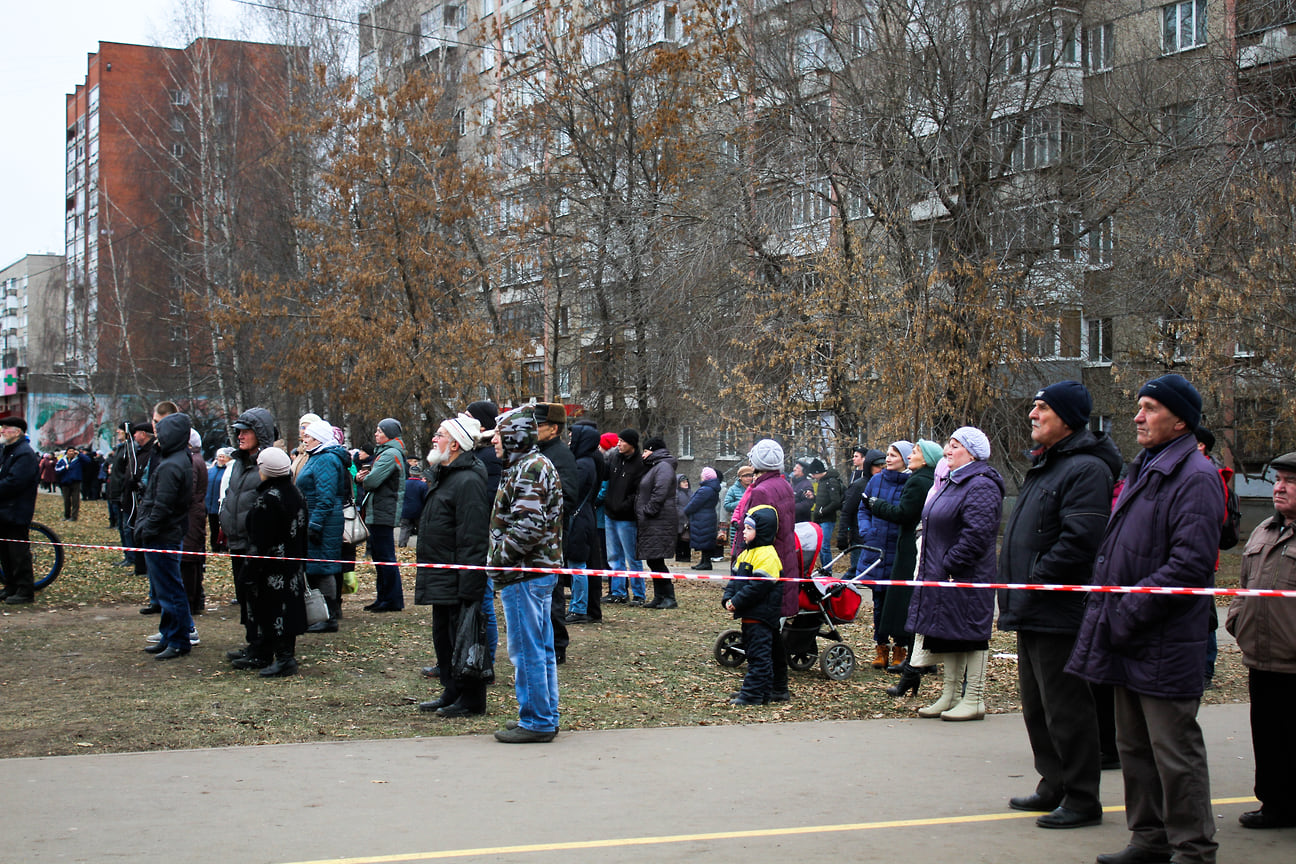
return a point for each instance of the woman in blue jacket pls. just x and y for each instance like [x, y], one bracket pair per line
[702, 521]
[881, 533]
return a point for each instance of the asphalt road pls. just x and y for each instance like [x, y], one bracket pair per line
[871, 790]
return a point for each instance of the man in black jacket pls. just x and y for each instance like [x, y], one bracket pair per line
[453, 528]
[625, 469]
[19, 475]
[1051, 537]
[160, 527]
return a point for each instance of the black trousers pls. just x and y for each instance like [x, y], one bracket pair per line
[759, 642]
[470, 693]
[662, 588]
[16, 560]
[1273, 699]
[1061, 721]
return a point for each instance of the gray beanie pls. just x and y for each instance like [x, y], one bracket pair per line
[766, 455]
[974, 441]
[390, 427]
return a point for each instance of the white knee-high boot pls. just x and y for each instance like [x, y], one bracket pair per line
[972, 705]
[955, 664]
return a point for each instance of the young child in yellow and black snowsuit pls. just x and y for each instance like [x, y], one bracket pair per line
[757, 601]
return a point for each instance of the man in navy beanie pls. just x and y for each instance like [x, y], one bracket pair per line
[1163, 533]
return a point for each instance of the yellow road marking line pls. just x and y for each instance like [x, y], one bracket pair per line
[717, 835]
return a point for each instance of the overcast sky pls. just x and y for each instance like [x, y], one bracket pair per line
[43, 49]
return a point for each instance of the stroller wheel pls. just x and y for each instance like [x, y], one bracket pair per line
[837, 661]
[802, 660]
[729, 649]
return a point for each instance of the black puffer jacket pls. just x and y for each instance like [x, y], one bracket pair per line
[244, 478]
[656, 508]
[579, 539]
[1054, 532]
[164, 508]
[624, 474]
[828, 497]
[454, 528]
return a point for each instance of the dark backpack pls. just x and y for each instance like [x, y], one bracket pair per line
[1231, 530]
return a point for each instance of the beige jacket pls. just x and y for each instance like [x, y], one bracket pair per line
[1265, 627]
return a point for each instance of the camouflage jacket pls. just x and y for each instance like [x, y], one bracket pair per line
[527, 521]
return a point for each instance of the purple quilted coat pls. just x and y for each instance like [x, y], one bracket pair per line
[959, 529]
[1164, 531]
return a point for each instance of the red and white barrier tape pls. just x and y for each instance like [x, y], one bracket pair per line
[708, 577]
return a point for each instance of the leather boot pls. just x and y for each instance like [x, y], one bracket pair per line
[882, 659]
[898, 660]
[954, 668]
[910, 678]
[283, 666]
[972, 705]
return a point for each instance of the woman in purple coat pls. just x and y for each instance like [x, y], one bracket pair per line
[952, 625]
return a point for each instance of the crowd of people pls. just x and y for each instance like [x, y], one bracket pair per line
[504, 499]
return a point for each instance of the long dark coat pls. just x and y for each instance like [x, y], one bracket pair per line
[276, 589]
[655, 508]
[960, 526]
[1164, 532]
[701, 513]
[907, 513]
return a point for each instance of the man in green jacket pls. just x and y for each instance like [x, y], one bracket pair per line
[384, 485]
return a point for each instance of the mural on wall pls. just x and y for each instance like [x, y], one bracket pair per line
[60, 420]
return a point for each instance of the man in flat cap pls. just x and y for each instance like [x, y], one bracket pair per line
[19, 475]
[1265, 628]
[1163, 533]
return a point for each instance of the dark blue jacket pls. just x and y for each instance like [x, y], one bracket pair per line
[873, 529]
[959, 529]
[415, 493]
[71, 472]
[1164, 531]
[19, 474]
[212, 498]
[701, 513]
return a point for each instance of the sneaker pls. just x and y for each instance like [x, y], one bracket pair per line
[193, 637]
[638, 601]
[577, 618]
[613, 598]
[519, 735]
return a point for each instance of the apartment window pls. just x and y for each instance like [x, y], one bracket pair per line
[813, 51]
[1099, 47]
[1070, 243]
[1055, 337]
[177, 123]
[1183, 26]
[457, 123]
[1101, 243]
[1100, 423]
[727, 444]
[685, 442]
[487, 8]
[810, 204]
[1100, 340]
[179, 97]
[1181, 124]
[177, 150]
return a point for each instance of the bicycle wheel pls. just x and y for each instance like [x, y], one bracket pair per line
[47, 554]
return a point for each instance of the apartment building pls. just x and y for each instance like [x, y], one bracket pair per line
[171, 197]
[30, 324]
[1058, 143]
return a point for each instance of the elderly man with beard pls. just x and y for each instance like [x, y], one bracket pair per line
[454, 528]
[526, 530]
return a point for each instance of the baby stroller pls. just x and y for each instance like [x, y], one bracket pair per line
[823, 602]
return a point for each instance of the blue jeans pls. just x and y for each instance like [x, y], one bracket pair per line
[527, 608]
[825, 552]
[622, 535]
[164, 574]
[382, 547]
[580, 591]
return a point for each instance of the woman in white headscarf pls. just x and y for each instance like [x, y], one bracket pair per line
[959, 525]
[325, 482]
